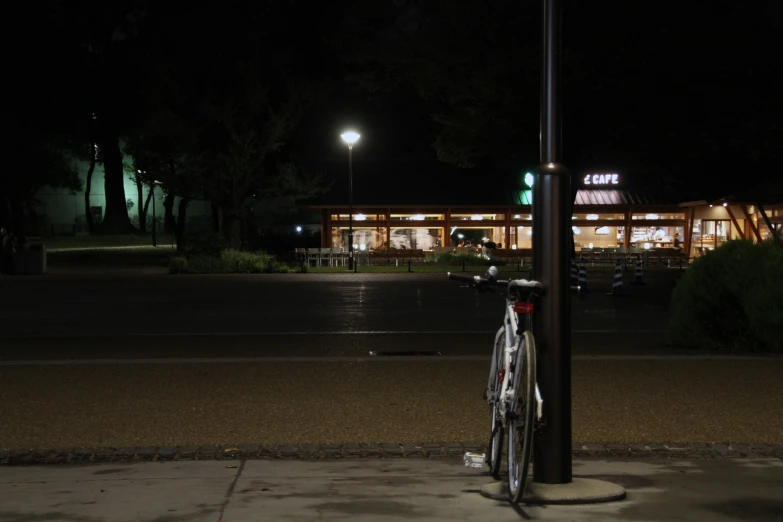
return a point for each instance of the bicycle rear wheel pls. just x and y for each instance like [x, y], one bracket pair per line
[495, 453]
[521, 418]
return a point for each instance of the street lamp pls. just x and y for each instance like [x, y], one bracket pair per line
[350, 137]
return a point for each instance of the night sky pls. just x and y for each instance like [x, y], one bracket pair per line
[680, 96]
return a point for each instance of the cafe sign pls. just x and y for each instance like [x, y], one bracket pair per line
[602, 179]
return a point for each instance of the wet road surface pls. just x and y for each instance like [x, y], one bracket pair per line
[165, 360]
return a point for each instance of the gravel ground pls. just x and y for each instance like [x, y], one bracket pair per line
[614, 401]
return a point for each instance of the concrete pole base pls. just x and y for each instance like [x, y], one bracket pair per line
[579, 491]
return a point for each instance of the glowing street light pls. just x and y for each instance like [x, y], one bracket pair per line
[350, 137]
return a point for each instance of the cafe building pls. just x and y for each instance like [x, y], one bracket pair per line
[607, 215]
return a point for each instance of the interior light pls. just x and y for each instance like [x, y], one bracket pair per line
[725, 204]
[476, 217]
[592, 217]
[360, 217]
[362, 247]
[651, 216]
[516, 216]
[576, 230]
[417, 217]
[513, 247]
[298, 229]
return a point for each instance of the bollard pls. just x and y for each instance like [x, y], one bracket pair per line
[617, 284]
[638, 276]
[583, 288]
[463, 265]
[409, 265]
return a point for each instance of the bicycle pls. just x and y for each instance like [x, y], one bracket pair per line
[516, 405]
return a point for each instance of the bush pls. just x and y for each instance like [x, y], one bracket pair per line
[228, 262]
[730, 299]
[449, 257]
[210, 244]
[178, 265]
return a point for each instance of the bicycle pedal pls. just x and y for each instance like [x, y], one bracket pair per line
[474, 460]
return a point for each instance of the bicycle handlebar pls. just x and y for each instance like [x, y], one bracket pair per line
[477, 280]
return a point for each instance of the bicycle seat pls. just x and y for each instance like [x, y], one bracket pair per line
[524, 283]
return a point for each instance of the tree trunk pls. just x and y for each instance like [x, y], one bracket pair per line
[234, 228]
[215, 217]
[115, 217]
[146, 208]
[141, 208]
[182, 216]
[169, 222]
[87, 188]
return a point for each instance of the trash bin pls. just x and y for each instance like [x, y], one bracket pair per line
[35, 257]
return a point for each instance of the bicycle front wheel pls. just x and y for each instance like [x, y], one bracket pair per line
[521, 417]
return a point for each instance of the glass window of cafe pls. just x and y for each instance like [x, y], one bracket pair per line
[657, 236]
[364, 238]
[476, 217]
[416, 217]
[358, 216]
[415, 238]
[474, 236]
[596, 217]
[599, 236]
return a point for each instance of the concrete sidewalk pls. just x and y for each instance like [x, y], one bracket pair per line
[719, 490]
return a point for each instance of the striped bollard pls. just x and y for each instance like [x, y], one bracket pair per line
[617, 284]
[583, 288]
[574, 276]
[638, 276]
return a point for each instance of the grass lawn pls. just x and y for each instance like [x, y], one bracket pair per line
[86, 241]
[140, 256]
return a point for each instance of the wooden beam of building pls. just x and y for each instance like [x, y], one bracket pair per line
[751, 223]
[734, 220]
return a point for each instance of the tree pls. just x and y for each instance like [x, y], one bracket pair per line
[224, 137]
[98, 35]
[649, 95]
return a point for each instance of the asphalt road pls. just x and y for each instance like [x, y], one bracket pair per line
[145, 360]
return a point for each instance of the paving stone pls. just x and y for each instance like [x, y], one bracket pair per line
[699, 447]
[332, 451]
[742, 449]
[289, 451]
[721, 449]
[147, 452]
[167, 452]
[4, 454]
[126, 452]
[82, 452]
[413, 450]
[310, 451]
[372, 450]
[64, 452]
[761, 449]
[249, 450]
[677, 448]
[104, 452]
[391, 450]
[657, 448]
[617, 448]
[208, 452]
[269, 450]
[352, 451]
[188, 452]
[594, 448]
[639, 448]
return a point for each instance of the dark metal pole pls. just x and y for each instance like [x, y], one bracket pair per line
[551, 251]
[350, 208]
[154, 222]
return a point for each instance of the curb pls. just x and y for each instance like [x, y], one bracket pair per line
[358, 451]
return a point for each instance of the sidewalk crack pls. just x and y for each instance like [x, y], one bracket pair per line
[231, 488]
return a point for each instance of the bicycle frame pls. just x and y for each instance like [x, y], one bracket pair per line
[509, 330]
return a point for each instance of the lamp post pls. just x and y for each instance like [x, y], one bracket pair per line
[350, 137]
